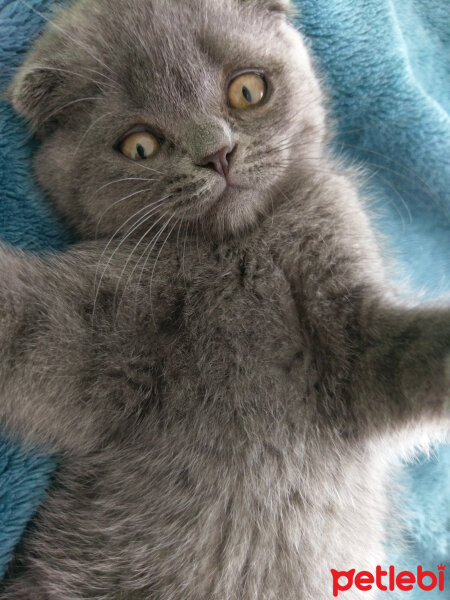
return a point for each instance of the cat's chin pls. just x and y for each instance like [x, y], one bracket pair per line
[235, 209]
[229, 208]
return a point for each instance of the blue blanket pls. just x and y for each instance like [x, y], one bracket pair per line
[387, 66]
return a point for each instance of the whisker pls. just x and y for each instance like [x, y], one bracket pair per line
[373, 174]
[115, 84]
[197, 244]
[426, 188]
[140, 221]
[148, 254]
[157, 258]
[118, 230]
[188, 225]
[119, 181]
[357, 129]
[133, 227]
[365, 162]
[433, 197]
[138, 164]
[118, 202]
[137, 262]
[180, 221]
[402, 165]
[400, 197]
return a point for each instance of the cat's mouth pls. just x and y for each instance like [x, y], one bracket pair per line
[228, 204]
[235, 186]
[232, 192]
[232, 183]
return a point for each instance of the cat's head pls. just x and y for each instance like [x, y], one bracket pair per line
[154, 112]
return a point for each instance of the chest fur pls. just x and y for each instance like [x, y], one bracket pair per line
[217, 325]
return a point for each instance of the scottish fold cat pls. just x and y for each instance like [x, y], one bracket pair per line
[220, 362]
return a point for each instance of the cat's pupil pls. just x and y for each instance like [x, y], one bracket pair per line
[141, 151]
[247, 94]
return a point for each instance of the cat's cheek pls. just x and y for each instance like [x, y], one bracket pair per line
[51, 166]
[59, 175]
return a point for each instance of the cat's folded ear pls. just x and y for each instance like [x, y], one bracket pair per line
[30, 93]
[41, 93]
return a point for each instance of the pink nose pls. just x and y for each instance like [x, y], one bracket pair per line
[219, 161]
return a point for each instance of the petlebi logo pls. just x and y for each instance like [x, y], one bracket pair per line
[388, 580]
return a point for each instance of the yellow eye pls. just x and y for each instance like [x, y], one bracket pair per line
[140, 145]
[247, 91]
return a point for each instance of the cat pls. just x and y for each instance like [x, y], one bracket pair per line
[220, 362]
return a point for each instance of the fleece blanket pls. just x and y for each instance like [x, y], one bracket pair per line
[386, 64]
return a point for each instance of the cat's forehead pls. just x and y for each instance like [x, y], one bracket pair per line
[164, 59]
[156, 42]
[181, 20]
[179, 52]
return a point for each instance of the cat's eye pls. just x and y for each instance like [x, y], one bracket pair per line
[247, 91]
[140, 145]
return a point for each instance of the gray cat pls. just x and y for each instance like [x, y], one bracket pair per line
[220, 362]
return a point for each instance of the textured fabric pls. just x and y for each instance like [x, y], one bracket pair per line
[387, 67]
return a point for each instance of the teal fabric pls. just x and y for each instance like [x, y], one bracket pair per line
[387, 66]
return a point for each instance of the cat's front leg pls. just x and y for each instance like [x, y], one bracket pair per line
[46, 350]
[402, 373]
[380, 363]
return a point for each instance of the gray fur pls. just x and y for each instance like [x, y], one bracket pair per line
[226, 392]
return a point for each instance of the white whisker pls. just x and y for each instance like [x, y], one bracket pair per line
[157, 257]
[115, 204]
[131, 230]
[184, 250]
[137, 262]
[119, 181]
[139, 164]
[115, 84]
[155, 205]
